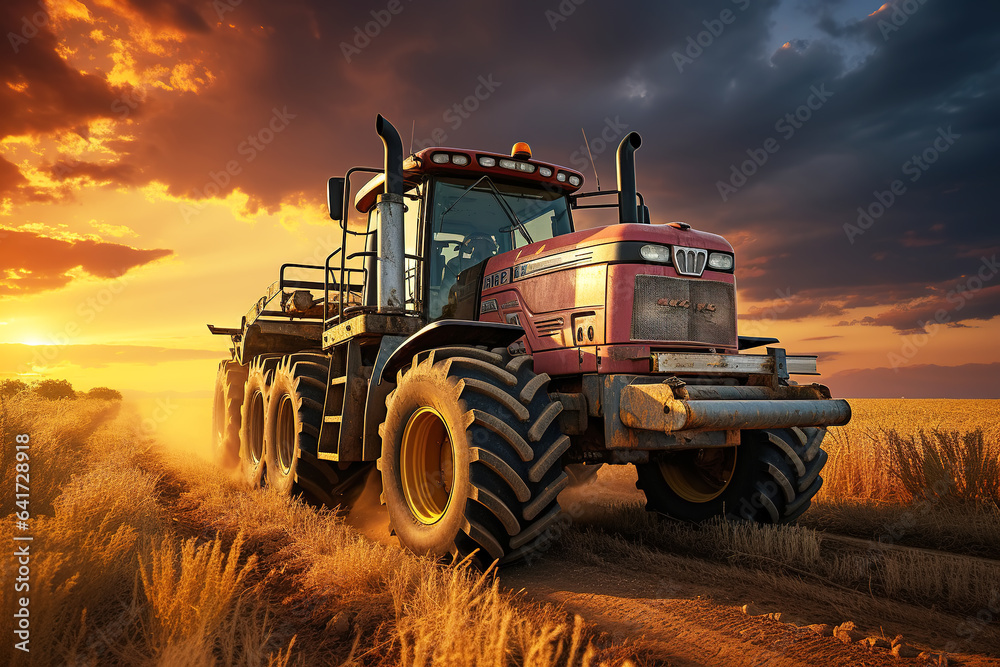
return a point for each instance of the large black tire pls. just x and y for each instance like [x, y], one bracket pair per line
[291, 430]
[255, 398]
[474, 438]
[773, 478]
[226, 405]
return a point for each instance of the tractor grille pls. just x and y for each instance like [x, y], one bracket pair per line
[690, 261]
[677, 309]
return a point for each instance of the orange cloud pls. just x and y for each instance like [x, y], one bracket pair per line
[31, 262]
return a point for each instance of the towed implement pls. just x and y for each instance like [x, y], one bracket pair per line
[477, 349]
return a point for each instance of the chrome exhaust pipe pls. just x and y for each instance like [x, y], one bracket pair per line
[390, 240]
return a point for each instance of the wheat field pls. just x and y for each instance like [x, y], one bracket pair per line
[877, 455]
[143, 556]
[121, 576]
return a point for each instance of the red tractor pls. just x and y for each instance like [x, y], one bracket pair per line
[479, 350]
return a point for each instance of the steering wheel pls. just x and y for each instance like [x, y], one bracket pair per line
[468, 246]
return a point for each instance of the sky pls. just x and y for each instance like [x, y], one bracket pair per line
[159, 160]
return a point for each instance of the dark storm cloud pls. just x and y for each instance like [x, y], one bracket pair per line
[41, 92]
[181, 15]
[118, 172]
[703, 82]
[10, 176]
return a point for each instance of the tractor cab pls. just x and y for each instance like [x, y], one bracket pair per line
[461, 208]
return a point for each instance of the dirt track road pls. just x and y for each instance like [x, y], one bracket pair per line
[686, 611]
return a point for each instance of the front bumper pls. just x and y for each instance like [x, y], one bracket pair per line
[660, 407]
[705, 400]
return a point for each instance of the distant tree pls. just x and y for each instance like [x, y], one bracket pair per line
[104, 393]
[11, 387]
[54, 389]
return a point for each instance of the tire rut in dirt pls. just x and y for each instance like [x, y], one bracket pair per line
[775, 476]
[505, 455]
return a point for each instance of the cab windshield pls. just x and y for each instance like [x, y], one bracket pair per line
[468, 226]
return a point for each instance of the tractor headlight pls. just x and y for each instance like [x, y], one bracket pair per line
[655, 253]
[720, 261]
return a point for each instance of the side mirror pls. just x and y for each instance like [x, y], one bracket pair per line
[644, 214]
[335, 197]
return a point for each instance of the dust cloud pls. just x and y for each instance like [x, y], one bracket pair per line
[368, 515]
[182, 425]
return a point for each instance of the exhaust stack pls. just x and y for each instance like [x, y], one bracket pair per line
[628, 210]
[389, 239]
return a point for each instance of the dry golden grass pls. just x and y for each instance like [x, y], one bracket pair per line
[889, 450]
[131, 566]
[387, 606]
[922, 472]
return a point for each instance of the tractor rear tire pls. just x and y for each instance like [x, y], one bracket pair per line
[771, 477]
[292, 424]
[226, 407]
[255, 397]
[471, 456]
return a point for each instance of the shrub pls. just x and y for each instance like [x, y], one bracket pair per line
[11, 387]
[54, 390]
[104, 393]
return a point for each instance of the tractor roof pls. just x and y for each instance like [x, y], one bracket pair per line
[464, 162]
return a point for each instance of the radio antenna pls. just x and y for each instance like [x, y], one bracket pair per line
[592, 164]
[413, 128]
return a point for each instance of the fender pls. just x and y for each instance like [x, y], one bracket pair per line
[442, 333]
[396, 352]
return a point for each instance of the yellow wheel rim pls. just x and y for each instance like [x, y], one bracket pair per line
[285, 433]
[426, 462]
[699, 475]
[256, 427]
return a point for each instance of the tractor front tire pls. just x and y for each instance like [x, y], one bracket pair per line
[226, 407]
[292, 424]
[471, 456]
[771, 477]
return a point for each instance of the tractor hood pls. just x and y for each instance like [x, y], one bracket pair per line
[663, 234]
